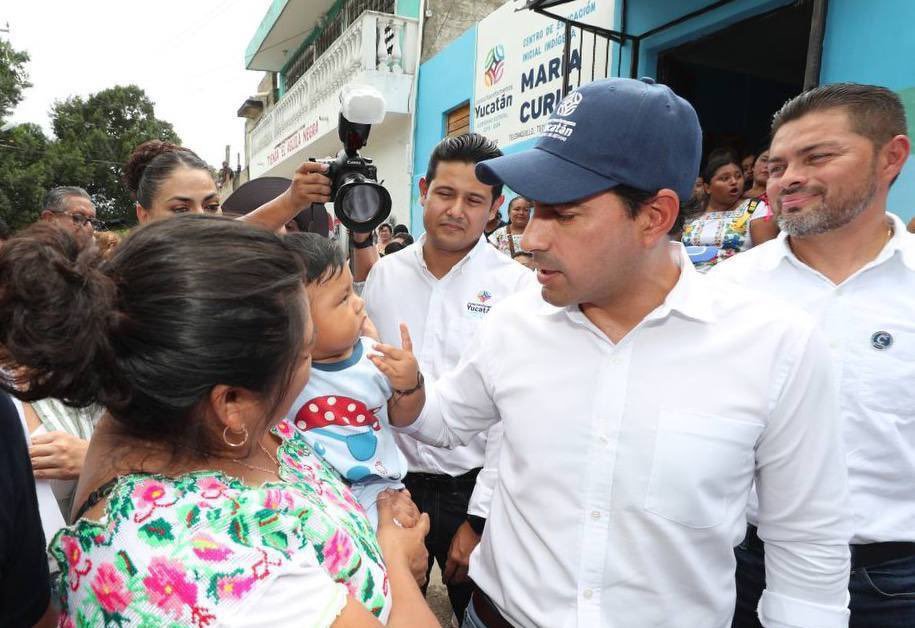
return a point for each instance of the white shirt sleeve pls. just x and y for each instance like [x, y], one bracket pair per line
[802, 483]
[459, 405]
[488, 476]
[762, 210]
[302, 596]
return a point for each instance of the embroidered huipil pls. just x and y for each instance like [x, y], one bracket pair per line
[204, 549]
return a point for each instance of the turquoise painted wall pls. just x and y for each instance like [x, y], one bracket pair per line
[872, 42]
[445, 82]
[407, 8]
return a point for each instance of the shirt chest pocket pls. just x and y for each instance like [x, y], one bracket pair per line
[887, 370]
[701, 464]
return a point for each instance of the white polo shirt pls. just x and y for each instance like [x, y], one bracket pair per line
[443, 315]
[625, 468]
[869, 320]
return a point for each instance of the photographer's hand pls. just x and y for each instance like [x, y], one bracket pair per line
[309, 185]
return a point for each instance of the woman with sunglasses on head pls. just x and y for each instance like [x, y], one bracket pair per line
[197, 505]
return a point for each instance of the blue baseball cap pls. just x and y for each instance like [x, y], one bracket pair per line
[609, 132]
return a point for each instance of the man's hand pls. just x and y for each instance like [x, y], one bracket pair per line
[398, 365]
[465, 539]
[309, 185]
[57, 456]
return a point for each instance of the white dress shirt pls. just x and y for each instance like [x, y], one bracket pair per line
[869, 321]
[625, 468]
[443, 315]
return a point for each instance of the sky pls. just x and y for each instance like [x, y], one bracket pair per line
[188, 55]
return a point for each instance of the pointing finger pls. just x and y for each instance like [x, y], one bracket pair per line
[405, 340]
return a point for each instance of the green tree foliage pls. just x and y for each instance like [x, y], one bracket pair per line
[93, 138]
[13, 78]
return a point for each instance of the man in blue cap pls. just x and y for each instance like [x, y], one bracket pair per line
[639, 400]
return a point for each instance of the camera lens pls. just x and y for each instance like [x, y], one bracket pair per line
[360, 202]
[361, 205]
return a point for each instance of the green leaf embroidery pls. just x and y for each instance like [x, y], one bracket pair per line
[157, 532]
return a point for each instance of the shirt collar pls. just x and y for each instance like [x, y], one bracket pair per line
[690, 296]
[418, 253]
[902, 242]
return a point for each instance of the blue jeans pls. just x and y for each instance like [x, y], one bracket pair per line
[471, 619]
[882, 596]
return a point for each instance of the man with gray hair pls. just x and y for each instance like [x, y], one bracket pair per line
[836, 150]
[70, 207]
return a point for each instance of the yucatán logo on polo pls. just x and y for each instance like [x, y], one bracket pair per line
[494, 65]
[882, 340]
[479, 308]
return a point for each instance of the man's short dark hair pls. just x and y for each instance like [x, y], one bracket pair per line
[633, 198]
[468, 148]
[385, 225]
[322, 259]
[400, 229]
[873, 111]
[56, 198]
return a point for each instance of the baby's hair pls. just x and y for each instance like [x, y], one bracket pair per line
[323, 260]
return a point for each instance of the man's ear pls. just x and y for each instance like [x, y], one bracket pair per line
[496, 206]
[895, 154]
[423, 190]
[658, 215]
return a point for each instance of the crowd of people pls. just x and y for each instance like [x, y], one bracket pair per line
[225, 420]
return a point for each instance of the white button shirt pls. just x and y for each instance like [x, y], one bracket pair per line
[869, 320]
[625, 469]
[443, 315]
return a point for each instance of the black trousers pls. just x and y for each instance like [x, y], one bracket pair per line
[445, 499]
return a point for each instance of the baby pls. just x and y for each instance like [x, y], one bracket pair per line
[343, 410]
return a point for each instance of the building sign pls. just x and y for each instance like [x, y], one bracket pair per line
[519, 66]
[292, 143]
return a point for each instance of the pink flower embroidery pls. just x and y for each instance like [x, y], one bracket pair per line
[74, 555]
[207, 548]
[285, 429]
[338, 551]
[277, 499]
[149, 495]
[234, 586]
[109, 589]
[72, 550]
[210, 487]
[168, 588]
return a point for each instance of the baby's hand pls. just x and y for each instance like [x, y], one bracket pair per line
[398, 365]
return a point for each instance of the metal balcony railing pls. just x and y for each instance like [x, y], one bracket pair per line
[372, 42]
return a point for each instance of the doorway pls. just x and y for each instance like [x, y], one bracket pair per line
[738, 77]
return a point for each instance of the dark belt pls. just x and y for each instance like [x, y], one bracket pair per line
[442, 481]
[862, 556]
[487, 611]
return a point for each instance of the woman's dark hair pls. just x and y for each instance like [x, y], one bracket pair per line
[716, 161]
[151, 163]
[468, 148]
[183, 305]
[321, 258]
[404, 238]
[401, 229]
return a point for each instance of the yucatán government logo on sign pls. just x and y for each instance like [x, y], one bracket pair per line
[494, 65]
